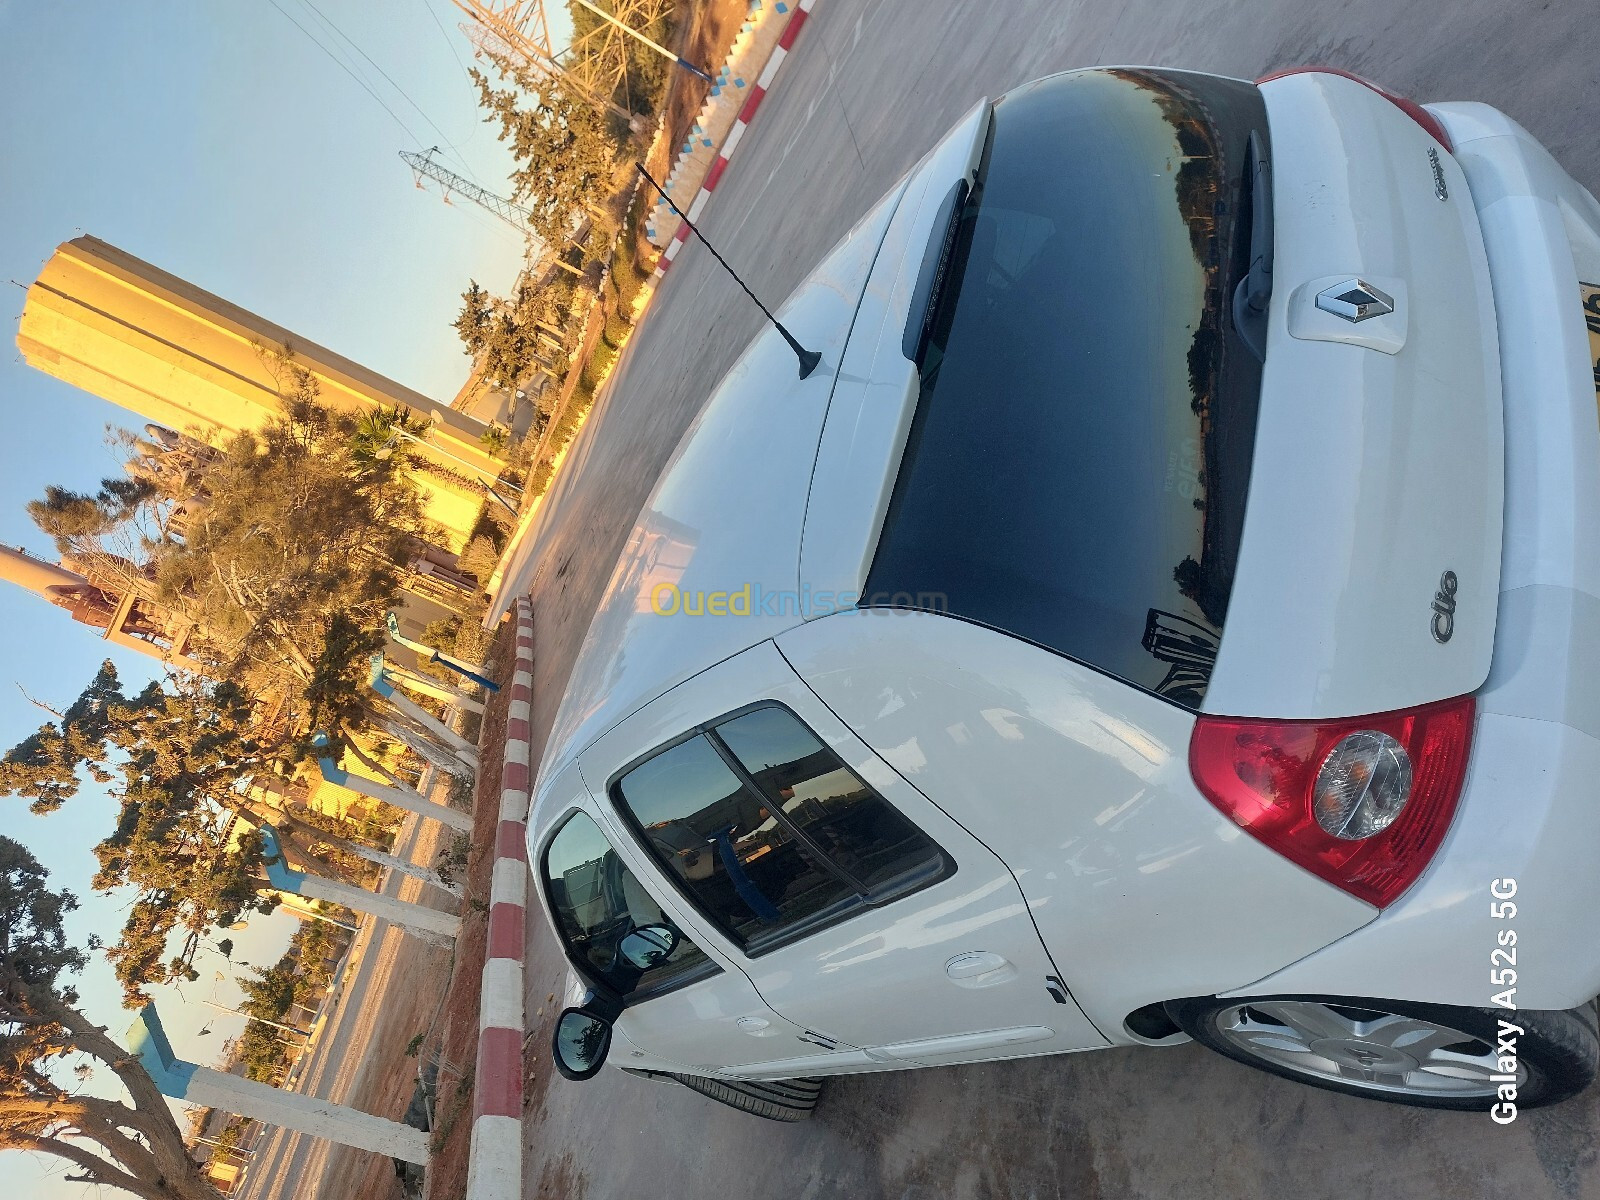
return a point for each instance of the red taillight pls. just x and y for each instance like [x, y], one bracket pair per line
[1410, 107]
[1262, 775]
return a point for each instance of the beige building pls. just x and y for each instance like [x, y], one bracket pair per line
[126, 331]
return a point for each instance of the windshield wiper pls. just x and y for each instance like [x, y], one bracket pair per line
[1254, 291]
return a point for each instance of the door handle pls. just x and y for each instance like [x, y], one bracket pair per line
[979, 969]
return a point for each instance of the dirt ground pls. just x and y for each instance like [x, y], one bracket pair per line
[704, 38]
[391, 1075]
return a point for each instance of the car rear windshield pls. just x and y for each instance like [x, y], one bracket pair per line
[1077, 466]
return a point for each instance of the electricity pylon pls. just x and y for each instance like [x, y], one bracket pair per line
[508, 212]
[511, 214]
[593, 67]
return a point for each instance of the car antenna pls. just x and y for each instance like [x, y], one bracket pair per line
[808, 358]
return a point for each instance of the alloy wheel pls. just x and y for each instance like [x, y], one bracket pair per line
[1362, 1047]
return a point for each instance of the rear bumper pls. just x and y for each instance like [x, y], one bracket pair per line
[1531, 807]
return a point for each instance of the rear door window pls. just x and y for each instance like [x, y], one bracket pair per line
[871, 843]
[768, 833]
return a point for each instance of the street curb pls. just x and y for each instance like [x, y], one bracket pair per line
[746, 114]
[494, 1162]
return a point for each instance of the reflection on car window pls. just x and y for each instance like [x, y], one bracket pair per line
[769, 833]
[597, 902]
[1079, 460]
[722, 843]
[860, 833]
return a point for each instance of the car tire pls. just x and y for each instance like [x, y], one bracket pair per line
[1383, 1050]
[774, 1099]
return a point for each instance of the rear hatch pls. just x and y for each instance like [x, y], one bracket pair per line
[1078, 461]
[1293, 516]
[1368, 568]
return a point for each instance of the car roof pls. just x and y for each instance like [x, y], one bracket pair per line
[726, 517]
[722, 526]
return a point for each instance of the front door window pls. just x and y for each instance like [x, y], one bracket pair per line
[598, 902]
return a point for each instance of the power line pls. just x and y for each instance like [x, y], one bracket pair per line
[343, 67]
[329, 23]
[445, 35]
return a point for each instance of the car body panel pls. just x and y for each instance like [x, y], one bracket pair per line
[1141, 890]
[1385, 456]
[1528, 811]
[724, 520]
[1378, 466]
[876, 980]
[693, 1024]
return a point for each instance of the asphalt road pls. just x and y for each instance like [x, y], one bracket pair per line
[870, 85]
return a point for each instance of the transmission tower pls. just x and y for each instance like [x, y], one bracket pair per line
[423, 165]
[594, 66]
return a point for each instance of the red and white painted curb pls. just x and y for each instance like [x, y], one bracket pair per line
[494, 1170]
[746, 115]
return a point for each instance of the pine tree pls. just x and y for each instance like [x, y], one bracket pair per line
[565, 157]
[175, 757]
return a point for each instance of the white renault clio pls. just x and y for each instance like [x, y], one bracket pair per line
[1168, 612]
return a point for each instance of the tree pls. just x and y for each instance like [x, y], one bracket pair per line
[68, 517]
[301, 532]
[379, 433]
[564, 155]
[494, 439]
[284, 547]
[136, 1147]
[296, 979]
[268, 544]
[176, 757]
[260, 1050]
[510, 338]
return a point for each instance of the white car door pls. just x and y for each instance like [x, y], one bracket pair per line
[856, 907]
[697, 1010]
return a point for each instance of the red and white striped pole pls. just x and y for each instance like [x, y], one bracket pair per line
[495, 1164]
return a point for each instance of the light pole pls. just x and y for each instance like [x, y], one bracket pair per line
[305, 1033]
[389, 447]
[656, 46]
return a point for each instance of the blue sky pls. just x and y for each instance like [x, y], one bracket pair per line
[219, 142]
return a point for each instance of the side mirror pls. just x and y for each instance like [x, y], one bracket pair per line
[649, 946]
[580, 1044]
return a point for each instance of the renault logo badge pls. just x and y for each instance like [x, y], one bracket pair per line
[1355, 300]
